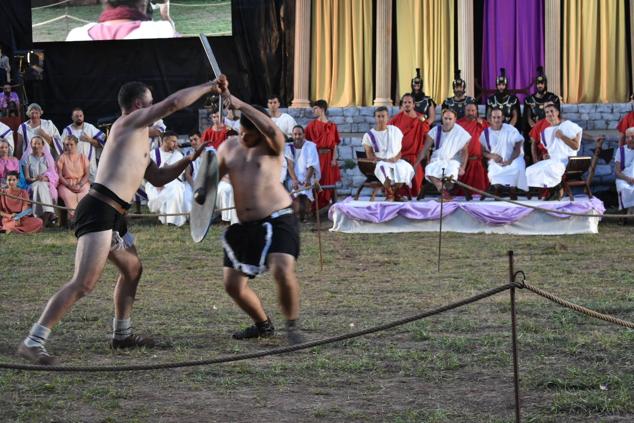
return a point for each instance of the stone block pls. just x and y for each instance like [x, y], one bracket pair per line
[344, 153]
[569, 108]
[367, 111]
[622, 108]
[586, 124]
[613, 124]
[369, 120]
[394, 110]
[587, 108]
[335, 111]
[600, 124]
[585, 116]
[344, 127]
[351, 111]
[611, 116]
[355, 142]
[338, 120]
[604, 108]
[358, 180]
[575, 117]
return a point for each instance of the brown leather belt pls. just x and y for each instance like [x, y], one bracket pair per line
[109, 201]
[325, 150]
[474, 158]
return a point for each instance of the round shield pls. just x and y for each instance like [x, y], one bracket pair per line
[205, 188]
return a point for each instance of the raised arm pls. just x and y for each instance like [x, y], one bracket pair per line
[275, 139]
[145, 117]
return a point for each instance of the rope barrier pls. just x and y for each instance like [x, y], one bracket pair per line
[59, 18]
[579, 309]
[259, 354]
[51, 5]
[200, 5]
[542, 209]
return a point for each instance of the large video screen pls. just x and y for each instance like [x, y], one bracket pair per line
[97, 20]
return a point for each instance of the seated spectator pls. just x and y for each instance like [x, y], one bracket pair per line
[44, 129]
[192, 169]
[6, 134]
[451, 151]
[561, 140]
[11, 207]
[382, 145]
[624, 168]
[42, 179]
[502, 146]
[304, 170]
[90, 139]
[217, 133]
[174, 197]
[7, 162]
[7, 97]
[73, 169]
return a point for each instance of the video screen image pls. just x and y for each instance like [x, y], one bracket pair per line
[99, 20]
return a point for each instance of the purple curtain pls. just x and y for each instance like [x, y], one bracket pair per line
[513, 38]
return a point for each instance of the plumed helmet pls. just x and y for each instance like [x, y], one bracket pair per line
[541, 77]
[458, 81]
[417, 79]
[502, 79]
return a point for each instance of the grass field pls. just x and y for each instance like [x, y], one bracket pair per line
[190, 18]
[455, 367]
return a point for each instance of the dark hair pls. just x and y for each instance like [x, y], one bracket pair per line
[73, 138]
[13, 173]
[449, 110]
[322, 104]
[380, 109]
[244, 120]
[129, 92]
[168, 134]
[273, 97]
[194, 132]
[298, 127]
[407, 95]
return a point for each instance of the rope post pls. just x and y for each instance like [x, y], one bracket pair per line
[514, 337]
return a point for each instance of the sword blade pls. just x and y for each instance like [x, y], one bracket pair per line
[210, 55]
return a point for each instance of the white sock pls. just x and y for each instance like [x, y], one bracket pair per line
[37, 336]
[121, 329]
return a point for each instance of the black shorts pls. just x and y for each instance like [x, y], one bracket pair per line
[248, 245]
[93, 215]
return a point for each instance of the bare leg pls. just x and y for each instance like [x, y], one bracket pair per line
[437, 183]
[90, 259]
[130, 270]
[237, 286]
[283, 269]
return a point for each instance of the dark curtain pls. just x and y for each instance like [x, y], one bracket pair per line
[257, 58]
[263, 32]
[15, 25]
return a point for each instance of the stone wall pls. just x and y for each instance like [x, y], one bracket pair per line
[353, 122]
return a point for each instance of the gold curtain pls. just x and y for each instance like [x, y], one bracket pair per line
[425, 39]
[595, 64]
[341, 57]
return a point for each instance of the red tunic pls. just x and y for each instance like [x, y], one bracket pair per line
[414, 132]
[626, 122]
[215, 138]
[536, 134]
[326, 136]
[27, 224]
[475, 174]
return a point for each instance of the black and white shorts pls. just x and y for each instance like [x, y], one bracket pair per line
[247, 245]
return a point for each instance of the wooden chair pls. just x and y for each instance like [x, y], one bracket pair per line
[577, 168]
[367, 169]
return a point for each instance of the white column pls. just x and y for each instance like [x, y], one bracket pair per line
[465, 44]
[552, 45]
[383, 42]
[301, 68]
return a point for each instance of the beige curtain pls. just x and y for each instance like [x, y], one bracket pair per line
[341, 57]
[425, 39]
[595, 64]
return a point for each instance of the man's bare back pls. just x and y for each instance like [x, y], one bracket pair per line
[254, 173]
[124, 159]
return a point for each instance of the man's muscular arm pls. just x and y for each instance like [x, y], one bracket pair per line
[159, 176]
[145, 117]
